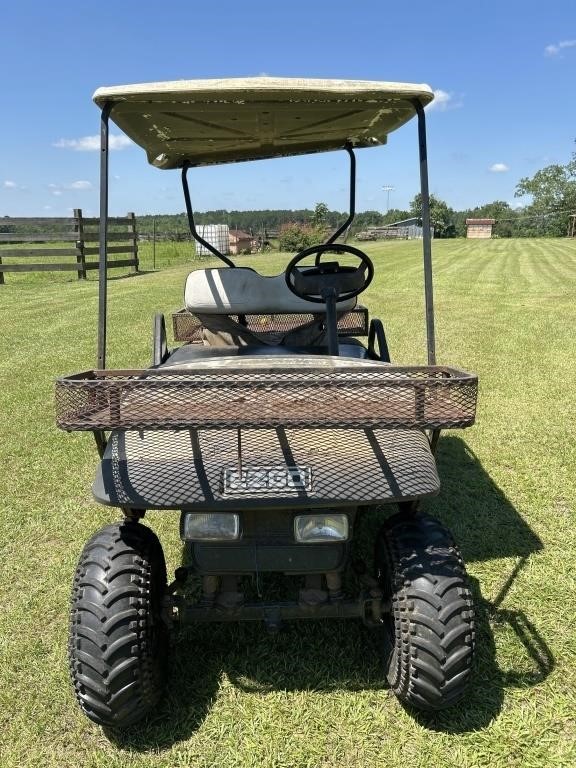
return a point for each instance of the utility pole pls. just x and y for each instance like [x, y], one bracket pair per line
[387, 188]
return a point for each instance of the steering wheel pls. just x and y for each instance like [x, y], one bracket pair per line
[329, 278]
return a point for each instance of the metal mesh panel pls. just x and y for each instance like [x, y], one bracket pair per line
[187, 327]
[184, 469]
[349, 396]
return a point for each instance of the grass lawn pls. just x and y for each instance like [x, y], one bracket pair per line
[313, 695]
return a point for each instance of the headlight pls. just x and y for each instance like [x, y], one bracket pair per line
[210, 527]
[318, 528]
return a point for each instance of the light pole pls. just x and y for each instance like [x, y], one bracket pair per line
[387, 188]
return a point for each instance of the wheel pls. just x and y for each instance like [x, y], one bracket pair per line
[429, 634]
[118, 641]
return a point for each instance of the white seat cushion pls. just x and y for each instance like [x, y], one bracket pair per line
[241, 290]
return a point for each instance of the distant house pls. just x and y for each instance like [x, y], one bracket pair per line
[479, 228]
[240, 242]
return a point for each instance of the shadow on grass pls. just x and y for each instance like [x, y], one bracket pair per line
[486, 692]
[130, 274]
[340, 655]
[194, 672]
[484, 523]
[486, 526]
[305, 656]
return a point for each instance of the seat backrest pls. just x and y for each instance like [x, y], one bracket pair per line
[243, 291]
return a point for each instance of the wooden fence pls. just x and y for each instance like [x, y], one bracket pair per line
[74, 239]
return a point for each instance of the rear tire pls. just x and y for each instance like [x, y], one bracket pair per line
[430, 631]
[118, 641]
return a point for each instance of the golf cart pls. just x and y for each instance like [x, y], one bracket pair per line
[272, 430]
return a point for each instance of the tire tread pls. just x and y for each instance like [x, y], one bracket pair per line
[115, 666]
[431, 634]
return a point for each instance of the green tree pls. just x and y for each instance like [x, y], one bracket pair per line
[441, 216]
[367, 219]
[505, 216]
[552, 188]
[320, 215]
[553, 192]
[296, 237]
[394, 215]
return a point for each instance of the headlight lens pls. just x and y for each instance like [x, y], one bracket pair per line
[211, 527]
[319, 528]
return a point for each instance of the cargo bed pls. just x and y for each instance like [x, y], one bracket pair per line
[267, 393]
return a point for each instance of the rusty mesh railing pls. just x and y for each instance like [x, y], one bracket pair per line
[431, 397]
[187, 327]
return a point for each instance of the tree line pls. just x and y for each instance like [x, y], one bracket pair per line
[553, 199]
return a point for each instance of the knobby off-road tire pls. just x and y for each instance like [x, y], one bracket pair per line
[118, 641]
[430, 632]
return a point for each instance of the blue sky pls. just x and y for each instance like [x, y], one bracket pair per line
[504, 74]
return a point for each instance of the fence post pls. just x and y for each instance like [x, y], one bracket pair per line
[154, 242]
[1, 272]
[80, 253]
[132, 229]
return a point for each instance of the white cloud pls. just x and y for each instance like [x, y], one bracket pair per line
[47, 207]
[9, 184]
[58, 189]
[556, 48]
[85, 144]
[444, 100]
[499, 168]
[92, 143]
[119, 141]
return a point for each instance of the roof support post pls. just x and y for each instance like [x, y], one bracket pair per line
[103, 236]
[192, 223]
[426, 235]
[352, 204]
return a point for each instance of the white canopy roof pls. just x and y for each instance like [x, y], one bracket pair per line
[204, 122]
